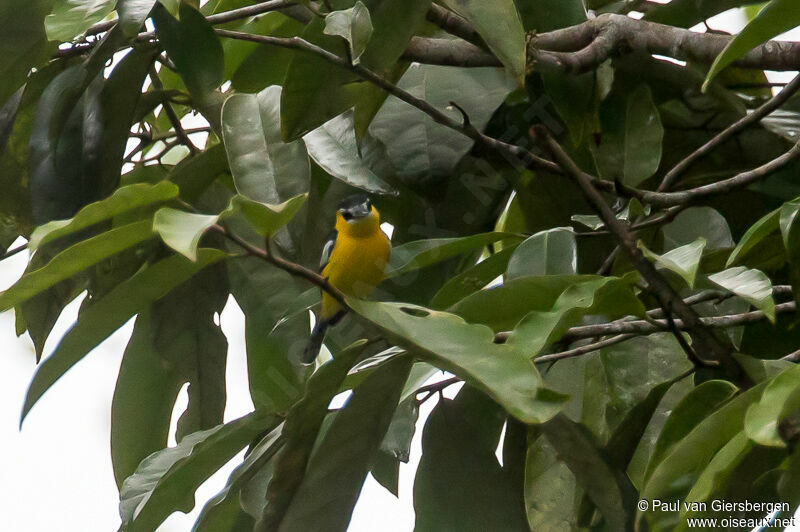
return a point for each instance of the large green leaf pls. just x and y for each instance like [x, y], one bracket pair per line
[194, 48]
[144, 397]
[353, 25]
[418, 146]
[762, 418]
[551, 252]
[499, 24]
[193, 175]
[421, 253]
[468, 351]
[608, 487]
[333, 147]
[687, 13]
[266, 219]
[74, 260]
[751, 285]
[472, 279]
[166, 480]
[104, 317]
[302, 426]
[757, 232]
[23, 43]
[696, 222]
[71, 18]
[124, 199]
[675, 475]
[335, 475]
[777, 17]
[630, 146]
[609, 296]
[459, 484]
[683, 260]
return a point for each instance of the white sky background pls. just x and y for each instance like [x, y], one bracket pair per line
[55, 474]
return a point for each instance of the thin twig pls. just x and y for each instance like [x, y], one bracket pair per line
[173, 117]
[731, 131]
[13, 251]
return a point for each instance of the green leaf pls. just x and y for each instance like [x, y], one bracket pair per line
[194, 48]
[630, 147]
[610, 296]
[698, 404]
[23, 42]
[459, 483]
[332, 483]
[472, 279]
[302, 426]
[182, 230]
[608, 488]
[333, 147]
[71, 18]
[397, 441]
[265, 219]
[502, 307]
[353, 25]
[791, 241]
[107, 315]
[468, 351]
[144, 397]
[166, 480]
[696, 222]
[124, 199]
[751, 285]
[499, 24]
[762, 418]
[683, 260]
[675, 475]
[777, 17]
[74, 260]
[551, 252]
[421, 253]
[194, 175]
[755, 234]
[687, 13]
[132, 14]
[419, 147]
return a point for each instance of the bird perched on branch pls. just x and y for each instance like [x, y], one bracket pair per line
[353, 261]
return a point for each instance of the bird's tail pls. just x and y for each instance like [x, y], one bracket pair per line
[315, 342]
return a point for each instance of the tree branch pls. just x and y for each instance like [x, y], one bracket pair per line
[704, 341]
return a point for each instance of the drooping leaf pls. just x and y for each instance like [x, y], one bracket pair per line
[353, 25]
[132, 14]
[696, 222]
[777, 17]
[551, 252]
[421, 253]
[751, 285]
[104, 317]
[397, 441]
[265, 219]
[499, 24]
[468, 351]
[333, 147]
[683, 260]
[446, 494]
[194, 48]
[182, 230]
[472, 279]
[74, 260]
[193, 175]
[23, 43]
[166, 480]
[333, 481]
[124, 199]
[762, 418]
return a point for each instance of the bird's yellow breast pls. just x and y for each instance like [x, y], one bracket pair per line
[358, 259]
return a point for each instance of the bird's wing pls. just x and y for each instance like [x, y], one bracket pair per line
[327, 249]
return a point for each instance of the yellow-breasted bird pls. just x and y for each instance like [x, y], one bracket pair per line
[353, 260]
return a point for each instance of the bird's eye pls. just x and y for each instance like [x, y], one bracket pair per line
[347, 215]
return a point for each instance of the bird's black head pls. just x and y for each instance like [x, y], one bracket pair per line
[355, 207]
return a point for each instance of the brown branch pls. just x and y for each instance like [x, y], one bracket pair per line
[290, 267]
[685, 197]
[448, 52]
[609, 35]
[454, 25]
[632, 329]
[13, 251]
[731, 131]
[704, 341]
[183, 138]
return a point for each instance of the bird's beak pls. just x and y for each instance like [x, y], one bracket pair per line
[361, 211]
